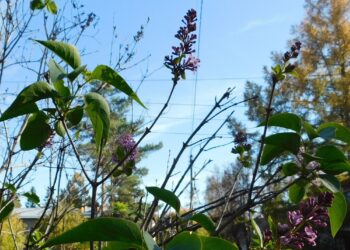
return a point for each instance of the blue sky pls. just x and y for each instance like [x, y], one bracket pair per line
[237, 38]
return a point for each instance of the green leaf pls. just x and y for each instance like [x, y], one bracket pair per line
[57, 73]
[32, 197]
[185, 241]
[327, 133]
[25, 100]
[59, 128]
[51, 7]
[117, 245]
[342, 133]
[335, 168]
[6, 210]
[65, 51]
[337, 212]
[330, 153]
[330, 182]
[36, 5]
[214, 243]
[165, 195]
[97, 109]
[270, 152]
[285, 120]
[310, 131]
[75, 73]
[150, 243]
[296, 192]
[290, 169]
[75, 115]
[36, 132]
[286, 141]
[257, 231]
[102, 229]
[110, 76]
[10, 187]
[205, 221]
[61, 89]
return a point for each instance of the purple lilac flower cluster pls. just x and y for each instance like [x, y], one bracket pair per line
[302, 222]
[177, 62]
[293, 53]
[127, 143]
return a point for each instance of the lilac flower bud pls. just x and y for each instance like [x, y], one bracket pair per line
[295, 217]
[325, 199]
[267, 234]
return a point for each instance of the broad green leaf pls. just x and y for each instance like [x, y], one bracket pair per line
[342, 133]
[165, 195]
[270, 152]
[97, 109]
[59, 128]
[36, 132]
[287, 141]
[327, 133]
[149, 241]
[51, 7]
[214, 243]
[101, 229]
[337, 212]
[296, 192]
[6, 210]
[75, 115]
[61, 89]
[330, 153]
[110, 76]
[117, 245]
[185, 241]
[330, 182]
[75, 73]
[290, 169]
[57, 73]
[310, 131]
[36, 5]
[205, 221]
[335, 168]
[65, 51]
[32, 197]
[285, 120]
[257, 231]
[25, 100]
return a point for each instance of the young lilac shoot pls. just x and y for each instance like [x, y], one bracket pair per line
[182, 57]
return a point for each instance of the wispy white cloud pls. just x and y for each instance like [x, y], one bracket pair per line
[257, 23]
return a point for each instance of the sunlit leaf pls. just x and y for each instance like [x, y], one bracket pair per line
[59, 128]
[257, 231]
[185, 241]
[25, 100]
[205, 221]
[285, 120]
[32, 197]
[165, 195]
[110, 76]
[65, 51]
[215, 243]
[102, 229]
[97, 109]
